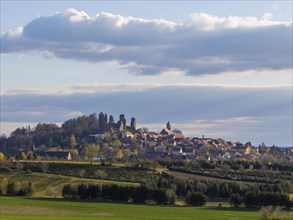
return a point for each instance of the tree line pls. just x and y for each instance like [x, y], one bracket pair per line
[71, 133]
[161, 196]
[140, 194]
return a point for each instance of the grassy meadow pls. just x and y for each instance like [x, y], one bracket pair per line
[52, 208]
[47, 203]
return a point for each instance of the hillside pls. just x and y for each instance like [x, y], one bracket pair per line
[51, 184]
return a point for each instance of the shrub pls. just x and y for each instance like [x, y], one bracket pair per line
[94, 191]
[69, 192]
[266, 199]
[11, 189]
[195, 198]
[27, 190]
[235, 200]
[163, 197]
[271, 213]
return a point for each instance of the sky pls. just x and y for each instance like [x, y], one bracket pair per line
[222, 69]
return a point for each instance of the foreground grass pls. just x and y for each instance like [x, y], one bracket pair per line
[48, 208]
[51, 184]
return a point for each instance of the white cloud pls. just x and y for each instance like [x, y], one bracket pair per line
[204, 44]
[14, 33]
[211, 23]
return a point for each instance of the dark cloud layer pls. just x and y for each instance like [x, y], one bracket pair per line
[202, 45]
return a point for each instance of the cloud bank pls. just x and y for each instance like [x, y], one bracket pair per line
[204, 44]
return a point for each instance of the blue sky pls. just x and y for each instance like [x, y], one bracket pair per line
[219, 68]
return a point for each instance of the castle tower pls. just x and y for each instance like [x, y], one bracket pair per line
[122, 119]
[133, 124]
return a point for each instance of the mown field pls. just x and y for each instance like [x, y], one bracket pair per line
[50, 185]
[49, 208]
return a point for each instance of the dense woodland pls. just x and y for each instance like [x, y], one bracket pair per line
[72, 133]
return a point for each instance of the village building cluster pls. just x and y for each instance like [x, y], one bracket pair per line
[118, 140]
[174, 145]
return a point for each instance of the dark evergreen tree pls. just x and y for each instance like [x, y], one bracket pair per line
[235, 200]
[69, 191]
[168, 126]
[93, 192]
[93, 123]
[195, 198]
[82, 191]
[11, 189]
[102, 122]
[111, 120]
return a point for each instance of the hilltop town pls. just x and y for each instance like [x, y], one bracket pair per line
[122, 141]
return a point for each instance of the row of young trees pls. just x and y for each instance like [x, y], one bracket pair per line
[141, 194]
[16, 189]
[235, 165]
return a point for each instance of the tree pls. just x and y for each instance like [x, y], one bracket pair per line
[82, 191]
[94, 191]
[91, 151]
[22, 155]
[27, 190]
[235, 200]
[111, 120]
[30, 189]
[171, 196]
[3, 186]
[102, 121]
[118, 154]
[10, 189]
[30, 155]
[195, 198]
[74, 152]
[168, 126]
[72, 141]
[159, 196]
[81, 172]
[2, 156]
[69, 192]
[44, 167]
[116, 143]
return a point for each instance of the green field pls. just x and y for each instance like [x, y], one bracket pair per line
[49, 208]
[47, 204]
[51, 184]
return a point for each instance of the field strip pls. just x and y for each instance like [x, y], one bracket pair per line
[202, 177]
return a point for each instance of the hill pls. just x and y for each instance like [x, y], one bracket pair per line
[51, 184]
